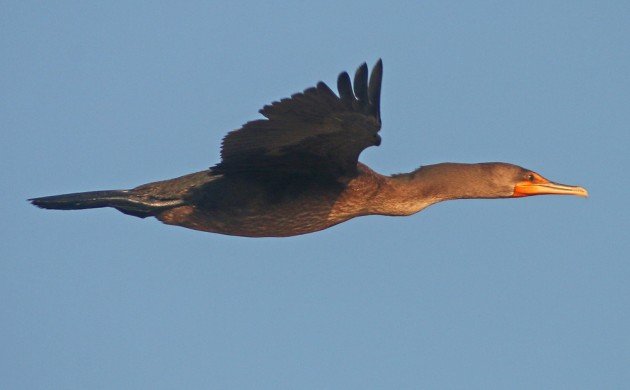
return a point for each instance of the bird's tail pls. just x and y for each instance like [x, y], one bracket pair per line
[82, 200]
[123, 200]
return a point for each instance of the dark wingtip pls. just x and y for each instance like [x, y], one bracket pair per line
[361, 83]
[363, 94]
[377, 68]
[374, 88]
[344, 86]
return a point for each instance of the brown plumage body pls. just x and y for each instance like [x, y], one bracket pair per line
[247, 206]
[297, 172]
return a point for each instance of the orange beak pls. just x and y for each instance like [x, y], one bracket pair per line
[542, 186]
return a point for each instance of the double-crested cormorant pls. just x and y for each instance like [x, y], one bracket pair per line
[297, 172]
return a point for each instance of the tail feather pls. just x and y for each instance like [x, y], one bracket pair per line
[82, 200]
[123, 200]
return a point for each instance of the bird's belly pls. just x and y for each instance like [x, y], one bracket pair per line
[251, 223]
[258, 214]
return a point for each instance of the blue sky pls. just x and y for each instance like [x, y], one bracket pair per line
[528, 293]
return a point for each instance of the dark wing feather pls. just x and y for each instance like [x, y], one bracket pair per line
[361, 85]
[313, 133]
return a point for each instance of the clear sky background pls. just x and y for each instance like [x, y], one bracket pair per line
[519, 294]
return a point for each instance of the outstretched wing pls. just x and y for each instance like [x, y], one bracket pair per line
[314, 132]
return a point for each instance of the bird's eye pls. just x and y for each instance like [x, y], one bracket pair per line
[530, 176]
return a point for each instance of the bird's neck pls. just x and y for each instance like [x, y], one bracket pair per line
[409, 193]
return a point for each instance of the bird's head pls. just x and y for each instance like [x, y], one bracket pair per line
[516, 182]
